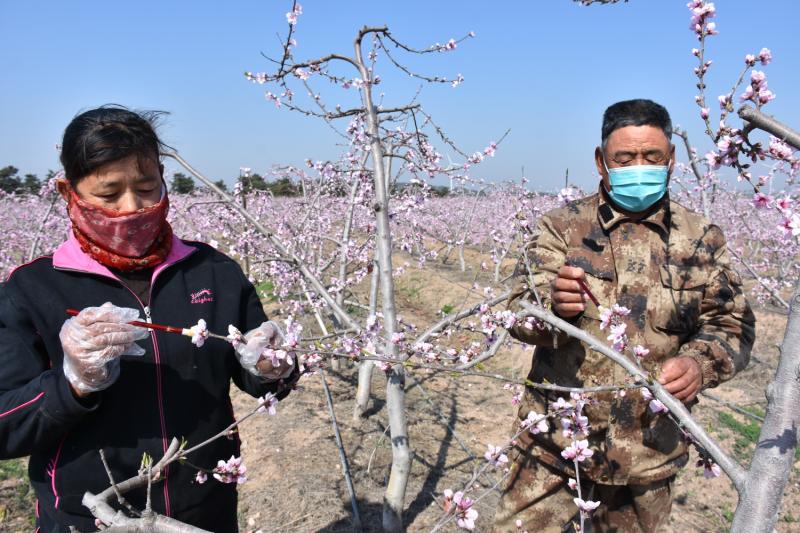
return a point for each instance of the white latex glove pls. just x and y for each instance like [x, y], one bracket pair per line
[94, 340]
[261, 353]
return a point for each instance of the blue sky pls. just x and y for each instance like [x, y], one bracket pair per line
[544, 69]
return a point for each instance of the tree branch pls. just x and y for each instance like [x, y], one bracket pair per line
[770, 125]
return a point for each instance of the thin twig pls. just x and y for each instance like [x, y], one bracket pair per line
[342, 455]
[120, 498]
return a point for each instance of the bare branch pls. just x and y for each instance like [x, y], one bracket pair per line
[772, 126]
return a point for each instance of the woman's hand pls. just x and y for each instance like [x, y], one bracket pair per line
[261, 353]
[93, 341]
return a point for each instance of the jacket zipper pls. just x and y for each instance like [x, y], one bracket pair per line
[157, 355]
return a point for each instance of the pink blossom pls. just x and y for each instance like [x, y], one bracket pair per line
[268, 402]
[713, 159]
[230, 471]
[561, 406]
[461, 507]
[516, 399]
[620, 310]
[724, 100]
[569, 194]
[657, 407]
[606, 315]
[586, 506]
[749, 60]
[449, 45]
[495, 456]
[757, 77]
[291, 16]
[476, 158]
[235, 336]
[791, 225]
[572, 483]
[199, 333]
[277, 357]
[578, 451]
[535, 423]
[201, 477]
[575, 426]
[784, 204]
[765, 96]
[747, 94]
[710, 468]
[761, 200]
[704, 112]
[646, 394]
[780, 149]
[617, 336]
[765, 56]
[640, 351]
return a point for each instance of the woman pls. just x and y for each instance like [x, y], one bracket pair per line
[70, 387]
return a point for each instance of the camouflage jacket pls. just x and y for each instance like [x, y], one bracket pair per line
[671, 269]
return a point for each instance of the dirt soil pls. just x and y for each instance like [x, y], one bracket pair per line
[295, 481]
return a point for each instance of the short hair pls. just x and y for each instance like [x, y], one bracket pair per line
[106, 134]
[639, 112]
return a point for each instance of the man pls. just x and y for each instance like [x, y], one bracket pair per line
[633, 247]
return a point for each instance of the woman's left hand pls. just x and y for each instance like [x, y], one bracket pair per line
[261, 353]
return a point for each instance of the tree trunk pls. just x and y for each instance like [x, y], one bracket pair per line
[365, 368]
[760, 499]
[394, 497]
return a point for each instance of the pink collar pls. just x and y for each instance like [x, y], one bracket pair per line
[69, 256]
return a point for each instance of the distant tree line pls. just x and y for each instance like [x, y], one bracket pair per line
[183, 184]
[12, 182]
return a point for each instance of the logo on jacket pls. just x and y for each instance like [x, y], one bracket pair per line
[202, 296]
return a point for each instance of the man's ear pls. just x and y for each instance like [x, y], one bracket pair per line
[64, 188]
[671, 158]
[599, 162]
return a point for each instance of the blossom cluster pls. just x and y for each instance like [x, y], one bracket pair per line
[461, 507]
[230, 471]
[701, 13]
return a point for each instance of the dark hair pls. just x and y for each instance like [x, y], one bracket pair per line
[106, 134]
[637, 112]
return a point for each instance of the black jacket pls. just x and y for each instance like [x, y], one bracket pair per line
[174, 390]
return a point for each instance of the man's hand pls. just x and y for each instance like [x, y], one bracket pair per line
[566, 293]
[682, 377]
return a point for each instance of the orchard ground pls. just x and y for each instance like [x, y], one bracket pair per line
[295, 480]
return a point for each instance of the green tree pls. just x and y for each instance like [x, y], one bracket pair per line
[221, 185]
[253, 182]
[182, 184]
[9, 182]
[283, 187]
[31, 184]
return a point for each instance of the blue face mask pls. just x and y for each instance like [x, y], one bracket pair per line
[637, 188]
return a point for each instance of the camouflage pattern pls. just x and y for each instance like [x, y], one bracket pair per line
[537, 494]
[672, 270]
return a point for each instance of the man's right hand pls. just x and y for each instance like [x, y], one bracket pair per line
[566, 293]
